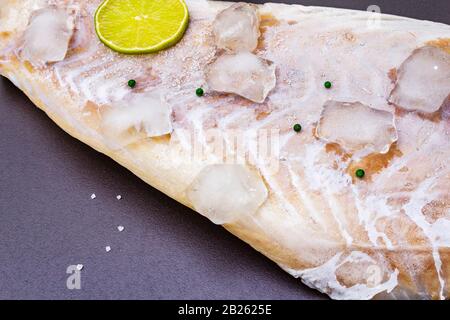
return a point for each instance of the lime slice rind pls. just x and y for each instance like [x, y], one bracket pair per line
[109, 37]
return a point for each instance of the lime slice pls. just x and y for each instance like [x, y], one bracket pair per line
[141, 26]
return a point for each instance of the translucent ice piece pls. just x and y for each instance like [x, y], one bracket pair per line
[47, 36]
[237, 28]
[357, 128]
[244, 74]
[423, 81]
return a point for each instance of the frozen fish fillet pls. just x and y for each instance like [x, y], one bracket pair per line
[383, 232]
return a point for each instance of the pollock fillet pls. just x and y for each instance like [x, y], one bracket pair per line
[263, 69]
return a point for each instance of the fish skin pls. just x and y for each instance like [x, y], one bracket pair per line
[318, 223]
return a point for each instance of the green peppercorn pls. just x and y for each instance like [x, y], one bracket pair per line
[297, 127]
[199, 92]
[132, 83]
[360, 173]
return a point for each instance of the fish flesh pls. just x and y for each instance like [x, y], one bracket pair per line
[232, 155]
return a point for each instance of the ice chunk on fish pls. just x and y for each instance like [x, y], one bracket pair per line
[225, 192]
[145, 113]
[356, 127]
[423, 82]
[47, 36]
[244, 74]
[237, 28]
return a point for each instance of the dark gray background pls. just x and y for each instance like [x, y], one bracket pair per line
[48, 221]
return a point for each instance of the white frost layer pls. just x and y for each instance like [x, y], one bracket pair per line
[324, 279]
[356, 127]
[423, 81]
[237, 28]
[440, 230]
[225, 192]
[244, 74]
[47, 37]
